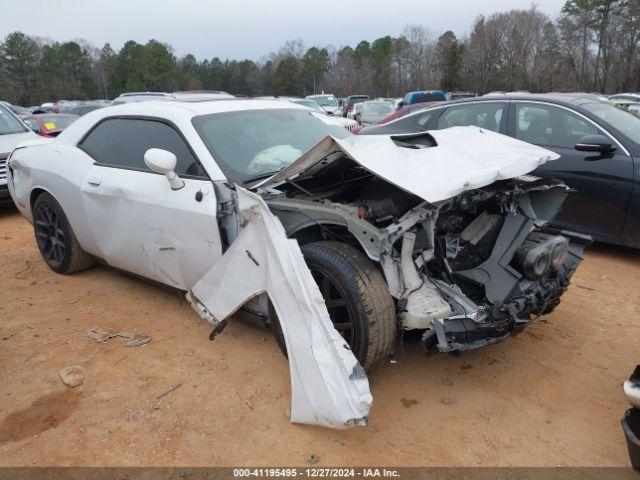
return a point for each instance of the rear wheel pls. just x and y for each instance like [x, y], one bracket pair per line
[55, 238]
[357, 298]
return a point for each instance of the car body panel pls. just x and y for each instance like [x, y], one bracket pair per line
[632, 392]
[171, 239]
[8, 142]
[328, 386]
[631, 419]
[464, 158]
[60, 170]
[631, 228]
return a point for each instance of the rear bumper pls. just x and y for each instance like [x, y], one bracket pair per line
[631, 428]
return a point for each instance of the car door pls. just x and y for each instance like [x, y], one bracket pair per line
[601, 182]
[139, 223]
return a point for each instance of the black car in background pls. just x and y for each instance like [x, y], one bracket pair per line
[599, 146]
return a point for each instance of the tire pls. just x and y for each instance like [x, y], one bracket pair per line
[55, 238]
[354, 280]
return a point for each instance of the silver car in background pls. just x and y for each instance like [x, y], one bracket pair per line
[327, 102]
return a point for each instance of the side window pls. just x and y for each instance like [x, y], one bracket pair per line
[551, 126]
[421, 120]
[122, 142]
[416, 122]
[486, 115]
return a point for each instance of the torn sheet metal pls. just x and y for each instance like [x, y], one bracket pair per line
[465, 158]
[328, 385]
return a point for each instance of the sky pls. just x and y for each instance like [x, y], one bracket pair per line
[238, 29]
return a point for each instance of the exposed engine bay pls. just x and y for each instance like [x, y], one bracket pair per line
[467, 271]
[362, 239]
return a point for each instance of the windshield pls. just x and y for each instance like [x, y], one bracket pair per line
[325, 101]
[625, 122]
[57, 122]
[373, 112]
[9, 123]
[252, 143]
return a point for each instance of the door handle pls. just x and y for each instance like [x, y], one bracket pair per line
[95, 181]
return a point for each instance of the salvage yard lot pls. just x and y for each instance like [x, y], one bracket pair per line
[551, 396]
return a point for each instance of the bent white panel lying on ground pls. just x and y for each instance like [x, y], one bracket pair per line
[328, 385]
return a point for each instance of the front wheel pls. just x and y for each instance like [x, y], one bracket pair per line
[357, 298]
[55, 238]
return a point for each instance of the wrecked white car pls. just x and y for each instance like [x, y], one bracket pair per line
[338, 242]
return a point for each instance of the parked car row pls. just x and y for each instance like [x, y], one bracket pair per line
[49, 124]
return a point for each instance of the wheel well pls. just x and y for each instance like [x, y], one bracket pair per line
[35, 193]
[314, 233]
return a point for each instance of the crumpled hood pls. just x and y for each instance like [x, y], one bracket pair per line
[464, 158]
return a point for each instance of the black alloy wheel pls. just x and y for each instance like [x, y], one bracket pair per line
[49, 234]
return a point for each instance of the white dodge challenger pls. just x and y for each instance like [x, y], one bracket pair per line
[338, 242]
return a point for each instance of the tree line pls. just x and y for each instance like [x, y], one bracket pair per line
[591, 46]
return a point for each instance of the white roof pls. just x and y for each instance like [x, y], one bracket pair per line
[194, 108]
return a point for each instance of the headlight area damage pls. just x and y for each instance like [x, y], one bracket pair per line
[448, 217]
